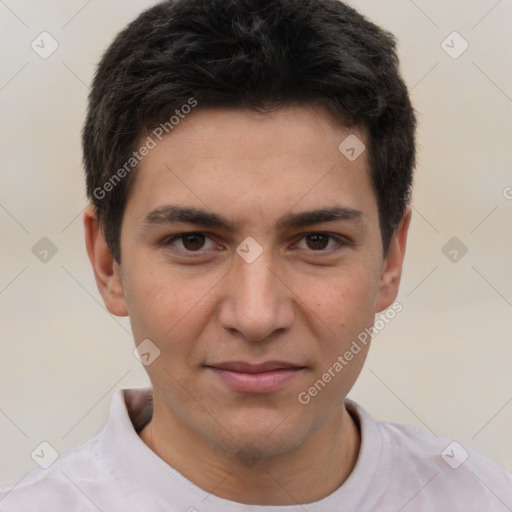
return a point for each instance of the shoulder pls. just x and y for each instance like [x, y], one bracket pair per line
[64, 485]
[458, 470]
[429, 469]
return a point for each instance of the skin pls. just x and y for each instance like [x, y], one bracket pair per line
[303, 300]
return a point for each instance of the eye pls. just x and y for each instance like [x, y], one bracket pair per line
[191, 242]
[320, 242]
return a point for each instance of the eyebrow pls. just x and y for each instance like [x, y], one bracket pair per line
[170, 214]
[306, 218]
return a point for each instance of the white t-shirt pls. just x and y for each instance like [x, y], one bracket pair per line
[399, 469]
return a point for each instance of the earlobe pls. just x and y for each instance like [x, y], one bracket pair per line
[392, 268]
[106, 270]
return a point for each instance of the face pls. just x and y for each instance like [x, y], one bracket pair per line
[252, 258]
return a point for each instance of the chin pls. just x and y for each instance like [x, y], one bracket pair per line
[264, 439]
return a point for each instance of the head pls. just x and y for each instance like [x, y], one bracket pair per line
[229, 119]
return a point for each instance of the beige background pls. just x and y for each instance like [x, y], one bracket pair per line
[443, 364]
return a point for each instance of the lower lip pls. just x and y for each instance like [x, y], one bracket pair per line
[264, 382]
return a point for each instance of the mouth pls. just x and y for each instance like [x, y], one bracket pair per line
[256, 378]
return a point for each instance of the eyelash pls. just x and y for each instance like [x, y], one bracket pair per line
[340, 241]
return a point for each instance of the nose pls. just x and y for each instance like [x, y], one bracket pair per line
[257, 302]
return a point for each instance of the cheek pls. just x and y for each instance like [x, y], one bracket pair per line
[343, 300]
[170, 308]
[169, 304]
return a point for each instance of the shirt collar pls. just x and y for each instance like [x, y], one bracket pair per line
[140, 471]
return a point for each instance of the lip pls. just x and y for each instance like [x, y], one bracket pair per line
[266, 377]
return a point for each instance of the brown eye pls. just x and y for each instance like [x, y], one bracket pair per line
[317, 241]
[193, 241]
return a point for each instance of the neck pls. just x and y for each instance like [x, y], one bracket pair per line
[305, 474]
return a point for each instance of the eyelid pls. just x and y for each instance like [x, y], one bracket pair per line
[169, 241]
[341, 241]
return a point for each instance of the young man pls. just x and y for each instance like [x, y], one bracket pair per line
[249, 166]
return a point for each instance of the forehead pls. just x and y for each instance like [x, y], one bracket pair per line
[243, 162]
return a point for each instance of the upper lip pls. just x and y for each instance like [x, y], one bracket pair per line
[240, 366]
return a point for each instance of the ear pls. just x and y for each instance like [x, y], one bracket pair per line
[106, 270]
[392, 267]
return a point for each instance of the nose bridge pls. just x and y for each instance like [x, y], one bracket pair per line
[257, 282]
[257, 302]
